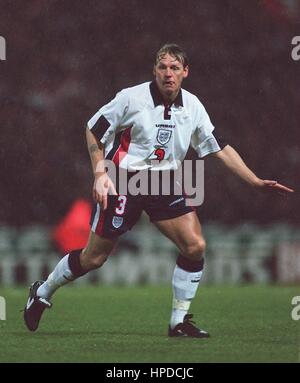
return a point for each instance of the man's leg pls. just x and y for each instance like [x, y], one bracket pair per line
[72, 266]
[76, 264]
[185, 231]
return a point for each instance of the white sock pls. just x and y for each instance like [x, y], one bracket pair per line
[185, 284]
[60, 276]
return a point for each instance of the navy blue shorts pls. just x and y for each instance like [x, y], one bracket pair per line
[124, 211]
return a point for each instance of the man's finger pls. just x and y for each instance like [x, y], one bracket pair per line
[104, 202]
[282, 188]
[270, 182]
[113, 189]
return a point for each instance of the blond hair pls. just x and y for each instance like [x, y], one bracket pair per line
[173, 50]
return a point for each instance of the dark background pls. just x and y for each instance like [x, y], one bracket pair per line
[65, 59]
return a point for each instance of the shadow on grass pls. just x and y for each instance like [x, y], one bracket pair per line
[57, 334]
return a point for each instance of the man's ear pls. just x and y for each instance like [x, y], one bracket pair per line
[154, 70]
[185, 71]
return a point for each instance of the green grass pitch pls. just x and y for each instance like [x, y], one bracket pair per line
[129, 324]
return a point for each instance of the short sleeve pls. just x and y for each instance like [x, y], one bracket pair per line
[203, 140]
[109, 117]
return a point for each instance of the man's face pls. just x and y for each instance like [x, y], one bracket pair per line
[169, 73]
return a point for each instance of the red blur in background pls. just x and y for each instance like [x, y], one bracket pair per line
[73, 230]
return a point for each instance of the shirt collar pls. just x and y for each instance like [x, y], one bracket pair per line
[157, 96]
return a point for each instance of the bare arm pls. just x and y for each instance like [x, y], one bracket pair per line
[232, 160]
[102, 182]
[96, 152]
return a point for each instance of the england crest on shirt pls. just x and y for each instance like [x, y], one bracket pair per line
[163, 136]
[117, 221]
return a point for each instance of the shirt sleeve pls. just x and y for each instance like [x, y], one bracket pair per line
[204, 140]
[109, 117]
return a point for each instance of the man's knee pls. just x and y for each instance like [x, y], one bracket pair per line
[195, 250]
[94, 259]
[96, 252]
[98, 261]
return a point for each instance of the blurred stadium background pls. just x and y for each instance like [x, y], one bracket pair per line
[67, 58]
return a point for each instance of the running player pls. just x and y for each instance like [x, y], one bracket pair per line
[141, 128]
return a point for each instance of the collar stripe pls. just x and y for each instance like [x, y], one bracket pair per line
[157, 96]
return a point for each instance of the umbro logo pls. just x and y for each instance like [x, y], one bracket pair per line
[29, 303]
[164, 126]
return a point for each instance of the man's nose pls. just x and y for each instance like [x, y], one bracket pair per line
[168, 72]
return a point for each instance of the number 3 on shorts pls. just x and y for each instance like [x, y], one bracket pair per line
[122, 199]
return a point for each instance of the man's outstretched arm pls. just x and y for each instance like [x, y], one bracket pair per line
[232, 160]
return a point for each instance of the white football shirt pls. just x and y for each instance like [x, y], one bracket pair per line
[137, 128]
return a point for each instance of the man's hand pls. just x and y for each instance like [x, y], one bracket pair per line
[232, 160]
[273, 186]
[102, 185]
